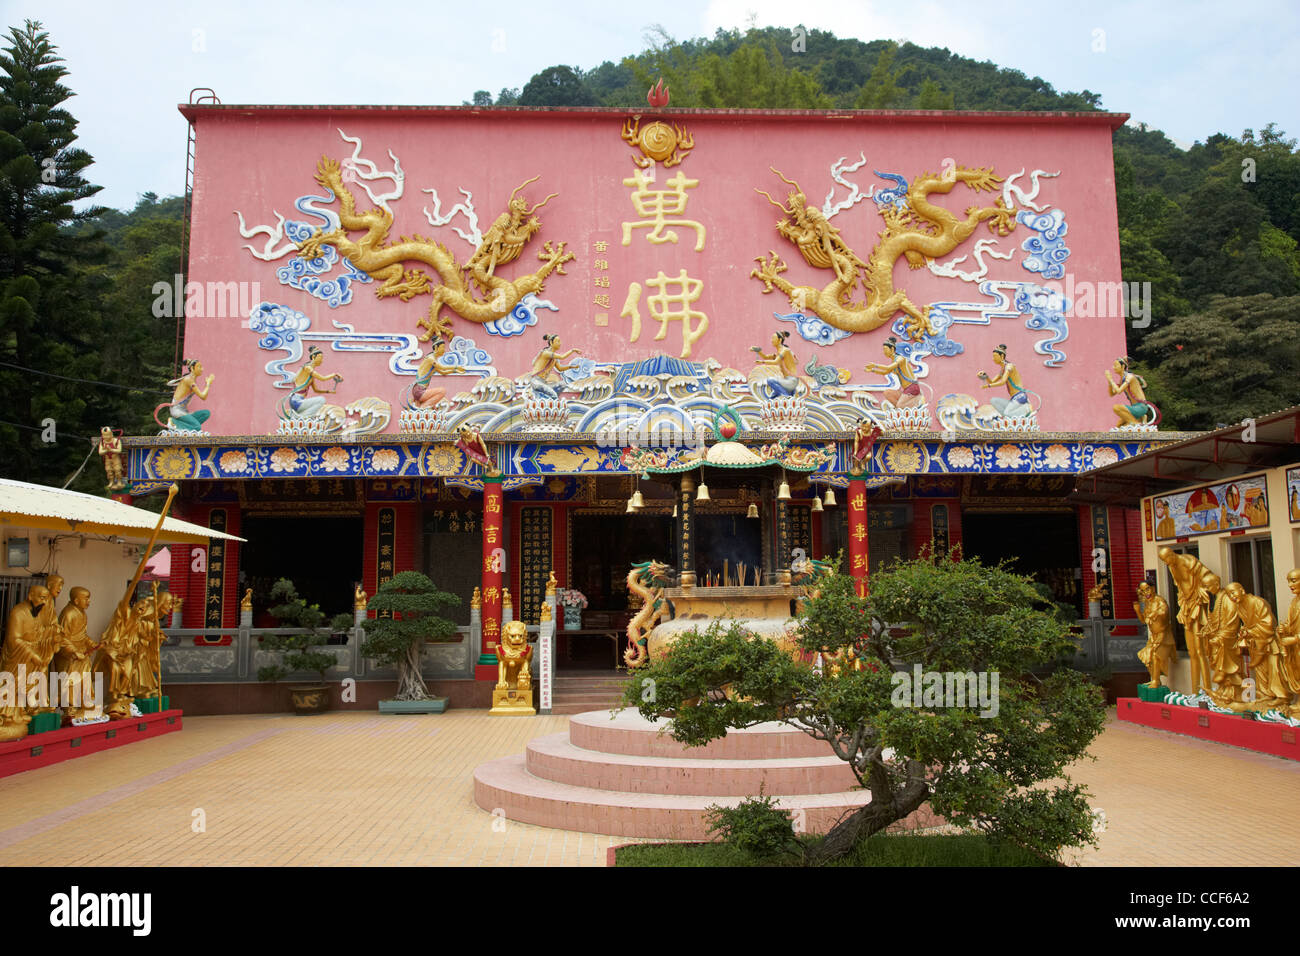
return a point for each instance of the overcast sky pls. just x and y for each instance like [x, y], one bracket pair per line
[1190, 69]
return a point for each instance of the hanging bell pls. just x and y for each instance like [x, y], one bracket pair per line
[637, 500]
[783, 493]
[630, 509]
[817, 504]
[753, 511]
[703, 493]
[830, 498]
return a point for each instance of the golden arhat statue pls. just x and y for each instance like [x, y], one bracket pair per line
[1160, 650]
[1288, 641]
[75, 655]
[1196, 586]
[29, 645]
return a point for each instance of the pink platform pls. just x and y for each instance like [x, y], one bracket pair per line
[622, 776]
[1276, 739]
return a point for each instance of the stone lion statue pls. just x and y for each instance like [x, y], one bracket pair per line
[512, 657]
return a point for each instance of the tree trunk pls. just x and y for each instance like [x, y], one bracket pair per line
[886, 807]
[410, 682]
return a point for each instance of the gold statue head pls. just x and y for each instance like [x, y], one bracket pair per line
[1235, 591]
[80, 598]
[1145, 590]
[37, 596]
[55, 584]
[1293, 580]
[515, 634]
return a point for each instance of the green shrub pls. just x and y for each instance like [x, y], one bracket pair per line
[298, 648]
[755, 825]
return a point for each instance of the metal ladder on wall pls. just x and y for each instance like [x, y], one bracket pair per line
[198, 95]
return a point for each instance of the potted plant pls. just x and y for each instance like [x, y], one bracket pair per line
[298, 649]
[409, 606]
[574, 602]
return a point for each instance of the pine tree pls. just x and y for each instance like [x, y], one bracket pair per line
[412, 605]
[47, 319]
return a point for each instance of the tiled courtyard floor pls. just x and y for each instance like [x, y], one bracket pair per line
[359, 789]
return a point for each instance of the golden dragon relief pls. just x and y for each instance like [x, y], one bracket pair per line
[473, 291]
[921, 232]
[640, 580]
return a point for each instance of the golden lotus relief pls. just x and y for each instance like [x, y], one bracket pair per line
[173, 463]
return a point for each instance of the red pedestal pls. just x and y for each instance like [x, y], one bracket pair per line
[1276, 739]
[67, 743]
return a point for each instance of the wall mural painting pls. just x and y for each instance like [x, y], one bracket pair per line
[862, 295]
[1240, 503]
[1293, 494]
[342, 240]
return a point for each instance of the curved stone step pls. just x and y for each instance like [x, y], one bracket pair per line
[630, 733]
[505, 785]
[555, 758]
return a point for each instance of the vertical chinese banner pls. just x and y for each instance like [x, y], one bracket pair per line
[386, 541]
[214, 604]
[535, 560]
[494, 554]
[1101, 562]
[858, 535]
[686, 531]
[784, 554]
[939, 528]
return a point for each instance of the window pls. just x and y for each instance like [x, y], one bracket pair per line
[1251, 561]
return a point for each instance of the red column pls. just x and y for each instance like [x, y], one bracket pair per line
[494, 549]
[858, 534]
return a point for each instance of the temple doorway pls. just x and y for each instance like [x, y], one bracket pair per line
[604, 548]
[1041, 545]
[321, 555]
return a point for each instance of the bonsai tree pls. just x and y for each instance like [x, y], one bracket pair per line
[298, 648]
[413, 604]
[995, 762]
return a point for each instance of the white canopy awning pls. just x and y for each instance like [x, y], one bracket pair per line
[36, 506]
